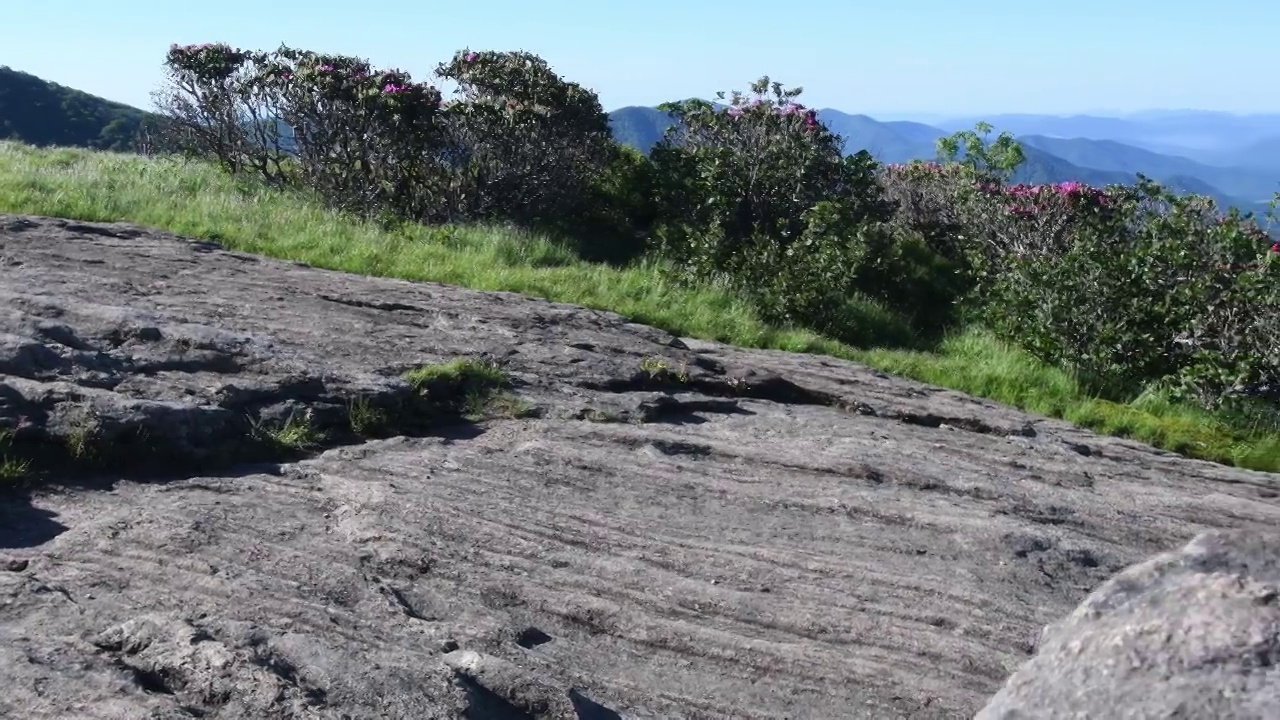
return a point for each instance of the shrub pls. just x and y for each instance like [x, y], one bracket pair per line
[366, 140]
[620, 210]
[1129, 286]
[526, 143]
[518, 143]
[759, 196]
[215, 106]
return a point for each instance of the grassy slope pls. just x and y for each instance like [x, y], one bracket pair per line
[197, 200]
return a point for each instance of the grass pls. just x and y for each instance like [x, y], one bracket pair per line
[295, 434]
[471, 387]
[659, 369]
[197, 200]
[366, 419]
[11, 468]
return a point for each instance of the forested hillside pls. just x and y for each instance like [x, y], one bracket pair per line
[39, 112]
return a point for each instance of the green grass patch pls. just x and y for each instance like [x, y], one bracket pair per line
[296, 434]
[365, 418]
[469, 387]
[197, 200]
[661, 370]
[12, 468]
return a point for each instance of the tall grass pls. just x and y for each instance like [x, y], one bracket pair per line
[197, 200]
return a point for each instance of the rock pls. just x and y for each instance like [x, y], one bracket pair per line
[1193, 633]
[246, 510]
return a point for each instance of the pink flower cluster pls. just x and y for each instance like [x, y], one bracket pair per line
[1071, 188]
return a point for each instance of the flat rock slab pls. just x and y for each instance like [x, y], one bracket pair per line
[762, 535]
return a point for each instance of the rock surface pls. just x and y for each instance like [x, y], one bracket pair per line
[1188, 634]
[752, 534]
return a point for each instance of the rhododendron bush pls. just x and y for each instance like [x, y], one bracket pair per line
[759, 195]
[516, 143]
[1127, 285]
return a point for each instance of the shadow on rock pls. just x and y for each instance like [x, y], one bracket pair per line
[589, 709]
[23, 525]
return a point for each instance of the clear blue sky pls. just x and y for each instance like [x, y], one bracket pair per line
[880, 57]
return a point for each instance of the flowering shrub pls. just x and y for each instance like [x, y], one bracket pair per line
[1132, 285]
[366, 139]
[215, 107]
[517, 143]
[759, 195]
[1127, 285]
[526, 144]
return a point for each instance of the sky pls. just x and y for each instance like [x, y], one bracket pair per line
[902, 58]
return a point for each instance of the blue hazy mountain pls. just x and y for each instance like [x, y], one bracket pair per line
[1205, 136]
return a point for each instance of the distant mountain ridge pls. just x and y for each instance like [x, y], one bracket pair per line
[1098, 162]
[39, 112]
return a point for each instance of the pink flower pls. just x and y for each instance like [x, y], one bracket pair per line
[1275, 247]
[326, 68]
[471, 57]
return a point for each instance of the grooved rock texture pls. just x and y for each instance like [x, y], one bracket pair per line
[747, 534]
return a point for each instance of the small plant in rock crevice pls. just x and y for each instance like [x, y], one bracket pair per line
[365, 418]
[11, 468]
[81, 434]
[297, 433]
[659, 370]
[472, 388]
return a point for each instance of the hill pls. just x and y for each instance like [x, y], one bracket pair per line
[1249, 184]
[889, 142]
[639, 127]
[39, 112]
[1164, 131]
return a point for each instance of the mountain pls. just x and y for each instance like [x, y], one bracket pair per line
[1214, 138]
[639, 127]
[890, 142]
[1235, 158]
[1250, 184]
[642, 127]
[1263, 153]
[38, 112]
